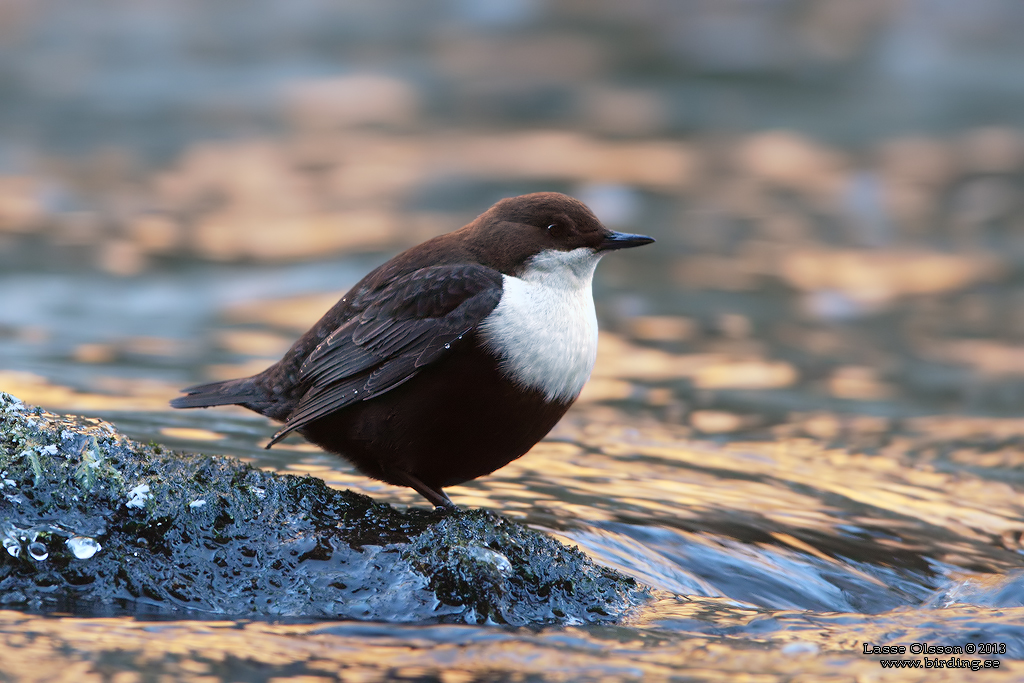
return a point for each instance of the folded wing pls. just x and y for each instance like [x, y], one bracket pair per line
[396, 330]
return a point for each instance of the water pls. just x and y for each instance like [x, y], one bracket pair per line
[780, 545]
[83, 547]
[804, 427]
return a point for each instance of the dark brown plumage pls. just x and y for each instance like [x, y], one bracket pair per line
[410, 376]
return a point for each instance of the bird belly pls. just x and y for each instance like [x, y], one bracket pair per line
[456, 420]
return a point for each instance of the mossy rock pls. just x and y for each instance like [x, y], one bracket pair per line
[92, 522]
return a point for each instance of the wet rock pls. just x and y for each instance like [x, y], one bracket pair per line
[93, 522]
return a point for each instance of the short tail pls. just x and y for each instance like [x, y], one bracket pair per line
[232, 392]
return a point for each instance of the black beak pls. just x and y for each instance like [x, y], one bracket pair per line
[623, 240]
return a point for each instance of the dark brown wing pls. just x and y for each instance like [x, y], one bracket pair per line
[402, 327]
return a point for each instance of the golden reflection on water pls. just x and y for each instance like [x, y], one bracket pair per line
[58, 649]
[191, 433]
[912, 492]
[930, 234]
[291, 313]
[684, 476]
[785, 480]
[133, 395]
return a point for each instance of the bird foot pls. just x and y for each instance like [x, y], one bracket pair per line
[437, 496]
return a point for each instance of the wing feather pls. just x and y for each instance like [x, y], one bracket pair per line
[402, 327]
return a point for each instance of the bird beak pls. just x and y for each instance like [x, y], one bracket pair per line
[623, 240]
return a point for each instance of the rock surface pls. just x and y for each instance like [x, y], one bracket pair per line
[92, 522]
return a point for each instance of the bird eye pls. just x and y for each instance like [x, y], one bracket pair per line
[558, 231]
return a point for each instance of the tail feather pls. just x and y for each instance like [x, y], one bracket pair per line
[231, 392]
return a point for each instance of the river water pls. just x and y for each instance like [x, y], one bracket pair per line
[803, 430]
[781, 527]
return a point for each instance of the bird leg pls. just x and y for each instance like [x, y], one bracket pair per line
[436, 496]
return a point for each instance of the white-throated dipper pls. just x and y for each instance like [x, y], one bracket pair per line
[453, 358]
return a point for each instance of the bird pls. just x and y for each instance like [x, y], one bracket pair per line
[453, 358]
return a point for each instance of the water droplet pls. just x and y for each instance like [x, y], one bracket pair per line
[447, 346]
[37, 551]
[83, 547]
[490, 557]
[12, 547]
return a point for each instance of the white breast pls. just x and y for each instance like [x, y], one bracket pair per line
[544, 329]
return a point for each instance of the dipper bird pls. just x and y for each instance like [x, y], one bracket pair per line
[453, 358]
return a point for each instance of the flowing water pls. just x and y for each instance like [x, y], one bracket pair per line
[778, 540]
[803, 430]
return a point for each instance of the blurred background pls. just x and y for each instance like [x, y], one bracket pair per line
[835, 187]
[809, 391]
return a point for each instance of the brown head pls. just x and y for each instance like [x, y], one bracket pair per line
[515, 229]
